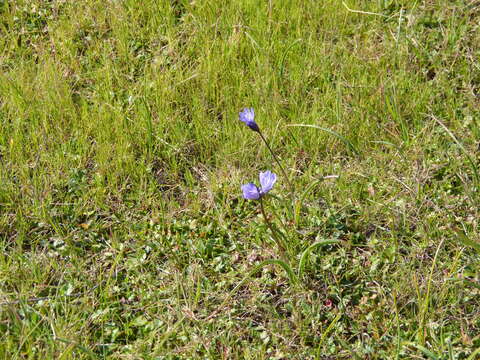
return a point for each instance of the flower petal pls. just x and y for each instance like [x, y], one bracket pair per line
[267, 180]
[250, 191]
[248, 117]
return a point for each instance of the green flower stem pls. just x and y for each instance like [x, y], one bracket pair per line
[295, 202]
[273, 231]
[278, 162]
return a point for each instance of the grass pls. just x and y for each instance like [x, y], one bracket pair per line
[123, 233]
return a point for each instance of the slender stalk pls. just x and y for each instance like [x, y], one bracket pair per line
[273, 231]
[278, 162]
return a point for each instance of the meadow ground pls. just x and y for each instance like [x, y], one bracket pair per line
[123, 231]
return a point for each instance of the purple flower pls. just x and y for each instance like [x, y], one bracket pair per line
[248, 117]
[252, 192]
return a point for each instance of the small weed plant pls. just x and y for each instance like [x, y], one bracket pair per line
[282, 224]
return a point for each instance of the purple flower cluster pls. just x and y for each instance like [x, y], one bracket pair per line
[253, 192]
[267, 178]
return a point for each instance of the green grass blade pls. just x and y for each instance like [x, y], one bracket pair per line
[468, 242]
[327, 332]
[349, 348]
[450, 351]
[424, 350]
[308, 250]
[284, 56]
[426, 302]
[388, 143]
[467, 282]
[473, 356]
[291, 275]
[347, 142]
[78, 346]
[299, 202]
[460, 145]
